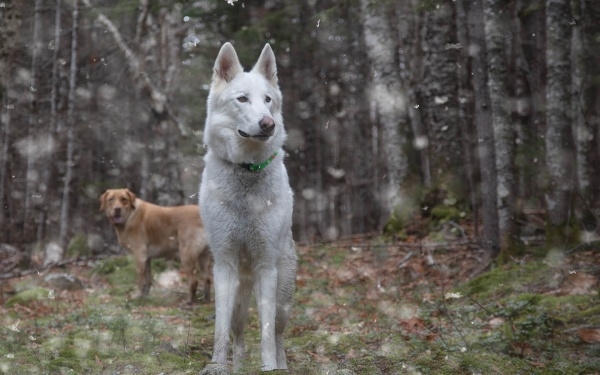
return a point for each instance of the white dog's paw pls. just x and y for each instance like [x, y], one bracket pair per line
[215, 369]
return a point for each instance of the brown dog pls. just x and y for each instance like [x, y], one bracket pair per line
[150, 231]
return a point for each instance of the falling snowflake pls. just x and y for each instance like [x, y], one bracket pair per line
[15, 327]
[453, 295]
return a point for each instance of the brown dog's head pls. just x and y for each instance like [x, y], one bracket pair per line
[117, 204]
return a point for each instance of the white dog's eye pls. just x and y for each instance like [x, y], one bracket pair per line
[268, 99]
[242, 99]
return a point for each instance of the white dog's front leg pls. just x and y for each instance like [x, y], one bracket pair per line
[265, 286]
[238, 321]
[227, 284]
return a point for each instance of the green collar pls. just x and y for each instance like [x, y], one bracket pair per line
[259, 166]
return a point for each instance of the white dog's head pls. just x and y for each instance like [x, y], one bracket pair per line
[244, 122]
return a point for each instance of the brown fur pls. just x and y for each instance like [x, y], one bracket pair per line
[150, 231]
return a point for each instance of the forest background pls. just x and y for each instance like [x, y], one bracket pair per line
[486, 111]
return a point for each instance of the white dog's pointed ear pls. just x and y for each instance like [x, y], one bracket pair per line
[227, 65]
[266, 64]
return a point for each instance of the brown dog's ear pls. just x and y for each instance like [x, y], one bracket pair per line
[131, 196]
[103, 200]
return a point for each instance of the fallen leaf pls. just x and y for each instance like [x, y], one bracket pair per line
[578, 283]
[412, 325]
[521, 348]
[590, 335]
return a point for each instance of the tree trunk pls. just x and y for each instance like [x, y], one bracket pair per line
[5, 120]
[386, 94]
[66, 195]
[485, 133]
[560, 157]
[411, 73]
[465, 110]
[47, 171]
[586, 103]
[496, 20]
[527, 150]
[31, 176]
[437, 92]
[10, 21]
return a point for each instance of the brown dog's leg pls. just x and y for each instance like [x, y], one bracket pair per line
[193, 282]
[207, 282]
[206, 267]
[189, 265]
[143, 275]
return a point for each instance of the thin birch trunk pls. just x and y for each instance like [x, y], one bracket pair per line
[33, 114]
[496, 21]
[64, 211]
[55, 65]
[54, 130]
[5, 119]
[465, 110]
[170, 51]
[139, 26]
[560, 157]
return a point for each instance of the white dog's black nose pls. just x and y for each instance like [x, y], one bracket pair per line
[267, 125]
[267, 128]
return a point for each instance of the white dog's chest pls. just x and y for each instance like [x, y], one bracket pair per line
[245, 213]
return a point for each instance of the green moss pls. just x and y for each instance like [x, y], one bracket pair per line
[443, 214]
[78, 246]
[469, 362]
[28, 296]
[562, 236]
[395, 225]
[505, 280]
[587, 310]
[112, 265]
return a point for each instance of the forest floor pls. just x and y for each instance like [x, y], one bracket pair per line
[366, 305]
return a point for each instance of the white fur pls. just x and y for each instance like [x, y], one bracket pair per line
[248, 215]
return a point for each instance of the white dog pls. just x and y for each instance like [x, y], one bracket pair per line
[246, 203]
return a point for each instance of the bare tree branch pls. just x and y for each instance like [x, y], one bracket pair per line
[159, 99]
